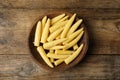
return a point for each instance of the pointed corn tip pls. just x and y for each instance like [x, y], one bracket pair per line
[39, 21]
[82, 28]
[48, 18]
[63, 13]
[74, 14]
[80, 20]
[82, 45]
[45, 17]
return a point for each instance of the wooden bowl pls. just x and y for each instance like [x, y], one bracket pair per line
[37, 58]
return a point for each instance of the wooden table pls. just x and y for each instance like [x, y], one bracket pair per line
[102, 18]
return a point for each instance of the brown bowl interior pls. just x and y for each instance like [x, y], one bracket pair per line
[37, 58]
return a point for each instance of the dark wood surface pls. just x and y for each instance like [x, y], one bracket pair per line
[102, 18]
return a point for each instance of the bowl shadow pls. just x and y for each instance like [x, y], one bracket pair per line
[37, 58]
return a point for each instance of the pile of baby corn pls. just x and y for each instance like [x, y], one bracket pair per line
[57, 39]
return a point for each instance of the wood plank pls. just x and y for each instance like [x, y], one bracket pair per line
[104, 36]
[102, 18]
[85, 13]
[33, 4]
[14, 33]
[22, 67]
[14, 18]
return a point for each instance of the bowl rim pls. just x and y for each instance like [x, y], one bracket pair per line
[52, 69]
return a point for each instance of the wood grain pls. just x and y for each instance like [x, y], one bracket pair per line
[34, 4]
[83, 12]
[22, 67]
[102, 18]
[14, 32]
